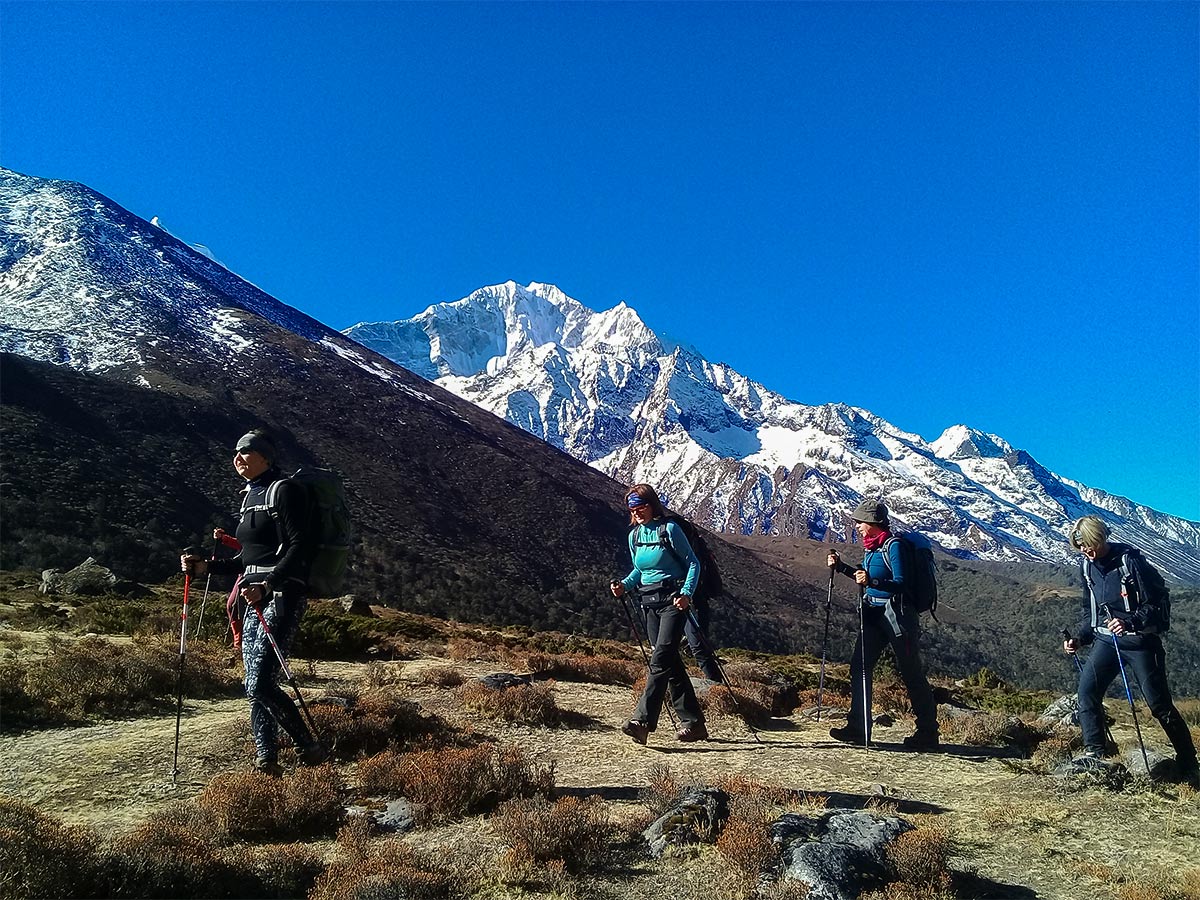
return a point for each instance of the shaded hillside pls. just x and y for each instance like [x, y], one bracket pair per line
[1005, 616]
[458, 514]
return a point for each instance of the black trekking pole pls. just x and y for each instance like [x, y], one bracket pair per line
[724, 678]
[187, 585]
[638, 634]
[287, 672]
[862, 653]
[1128, 693]
[1066, 636]
[824, 645]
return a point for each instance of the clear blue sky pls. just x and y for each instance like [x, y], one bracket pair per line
[944, 213]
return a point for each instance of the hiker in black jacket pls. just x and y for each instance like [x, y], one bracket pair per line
[272, 566]
[1135, 599]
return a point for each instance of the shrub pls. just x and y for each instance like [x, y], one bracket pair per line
[662, 791]
[173, 854]
[919, 859]
[470, 650]
[571, 832]
[441, 676]
[745, 841]
[42, 857]
[375, 721]
[452, 783]
[587, 669]
[91, 677]
[373, 870]
[329, 632]
[995, 730]
[529, 704]
[249, 805]
[721, 700]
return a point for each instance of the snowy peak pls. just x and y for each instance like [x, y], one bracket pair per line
[960, 442]
[736, 455]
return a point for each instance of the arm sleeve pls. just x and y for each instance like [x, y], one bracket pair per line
[1150, 588]
[846, 569]
[292, 521]
[230, 565]
[1082, 631]
[679, 543]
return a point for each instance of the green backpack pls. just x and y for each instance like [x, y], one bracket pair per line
[329, 532]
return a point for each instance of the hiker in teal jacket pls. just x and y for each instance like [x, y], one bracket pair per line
[664, 586]
[885, 620]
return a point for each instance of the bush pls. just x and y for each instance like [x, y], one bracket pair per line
[587, 669]
[252, 806]
[529, 704]
[733, 703]
[442, 676]
[745, 841]
[375, 721]
[365, 870]
[453, 783]
[994, 730]
[93, 677]
[571, 832]
[329, 632]
[42, 857]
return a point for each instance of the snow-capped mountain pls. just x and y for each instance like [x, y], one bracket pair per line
[732, 453]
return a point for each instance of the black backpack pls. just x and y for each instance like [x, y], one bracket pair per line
[920, 571]
[710, 585]
[328, 528]
[1142, 585]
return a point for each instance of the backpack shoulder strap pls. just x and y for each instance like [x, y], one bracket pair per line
[883, 551]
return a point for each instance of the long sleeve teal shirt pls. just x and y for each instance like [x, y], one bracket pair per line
[652, 564]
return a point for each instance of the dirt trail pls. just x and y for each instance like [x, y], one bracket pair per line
[113, 775]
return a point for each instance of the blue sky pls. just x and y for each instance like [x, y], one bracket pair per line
[943, 213]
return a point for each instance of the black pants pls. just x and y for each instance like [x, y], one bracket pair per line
[1145, 665]
[664, 630]
[695, 629]
[876, 634]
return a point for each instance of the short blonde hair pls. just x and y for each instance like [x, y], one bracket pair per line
[1090, 531]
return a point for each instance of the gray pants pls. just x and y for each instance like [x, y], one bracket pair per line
[664, 630]
[877, 633]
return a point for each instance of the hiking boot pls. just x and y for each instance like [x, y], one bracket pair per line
[921, 740]
[1189, 774]
[313, 754]
[639, 731]
[696, 732]
[847, 734]
[268, 767]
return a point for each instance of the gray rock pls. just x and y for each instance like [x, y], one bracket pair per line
[837, 854]
[697, 818]
[498, 681]
[1161, 766]
[89, 577]
[1062, 712]
[396, 816]
[1091, 769]
[953, 711]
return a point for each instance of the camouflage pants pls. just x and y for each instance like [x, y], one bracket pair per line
[270, 707]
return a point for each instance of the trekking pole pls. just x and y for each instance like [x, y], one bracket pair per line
[862, 653]
[824, 645]
[207, 583]
[1066, 636]
[638, 633]
[1128, 693]
[724, 678]
[287, 673]
[187, 585]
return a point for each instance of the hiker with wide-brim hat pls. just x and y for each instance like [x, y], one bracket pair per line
[664, 582]
[884, 619]
[1126, 612]
[272, 568]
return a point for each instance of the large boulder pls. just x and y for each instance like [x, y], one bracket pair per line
[837, 854]
[89, 577]
[696, 819]
[1063, 712]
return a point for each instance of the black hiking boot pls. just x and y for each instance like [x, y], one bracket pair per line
[639, 731]
[694, 732]
[268, 767]
[921, 740]
[847, 734]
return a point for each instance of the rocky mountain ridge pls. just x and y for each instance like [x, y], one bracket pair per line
[737, 456]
